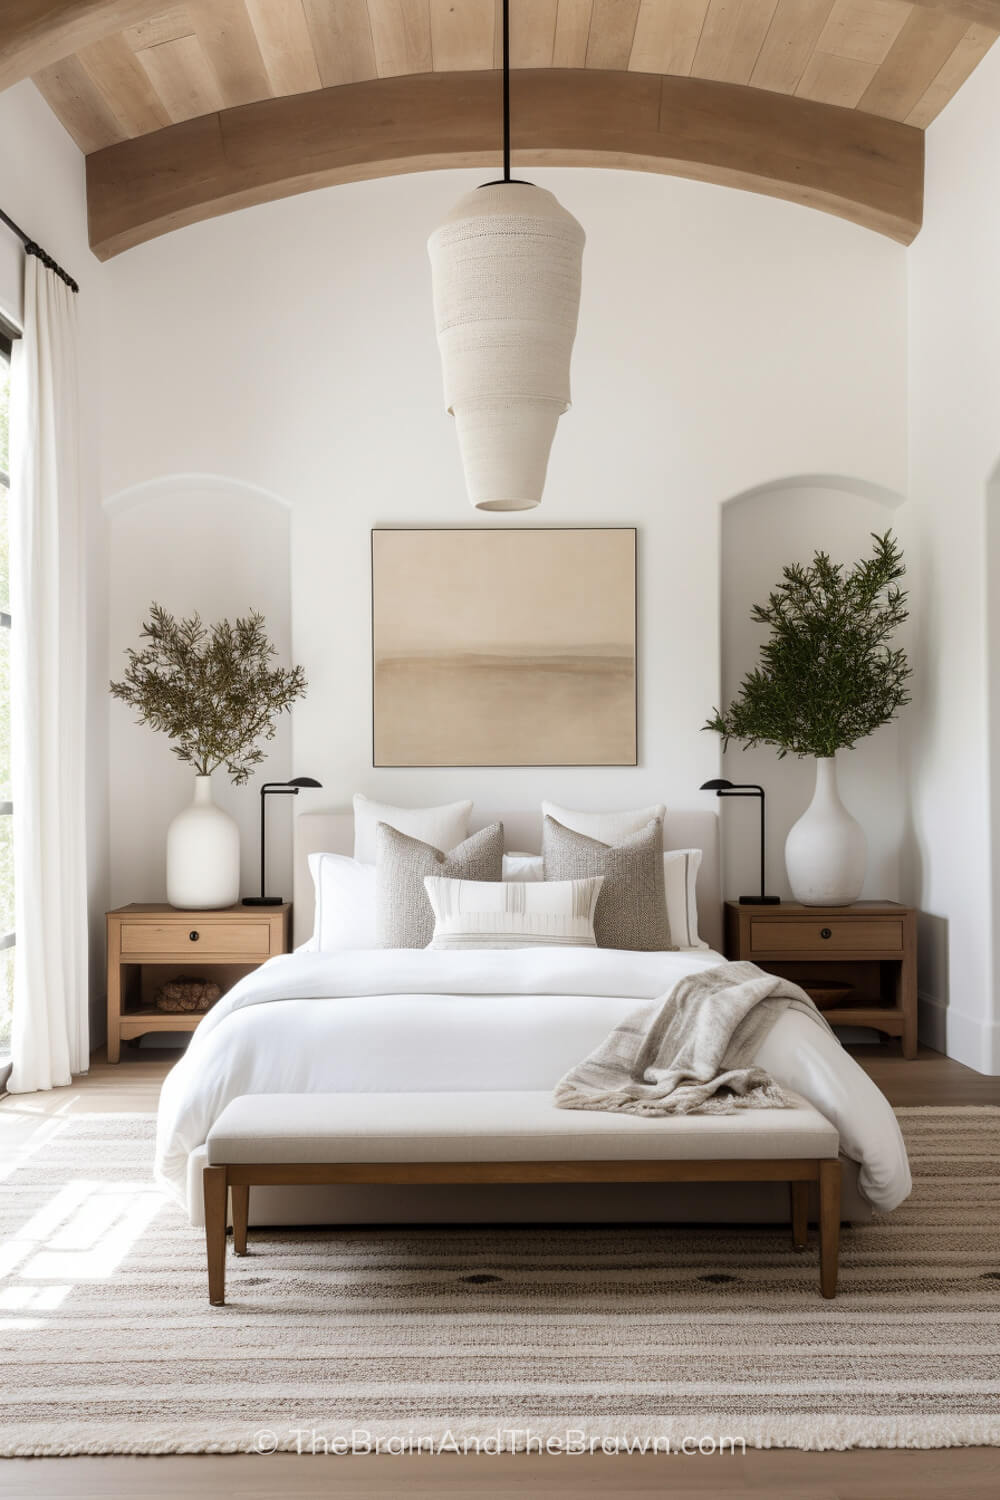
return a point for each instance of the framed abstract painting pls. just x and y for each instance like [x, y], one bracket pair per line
[504, 647]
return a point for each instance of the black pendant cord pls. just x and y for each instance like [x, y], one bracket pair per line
[506, 90]
[32, 248]
[506, 179]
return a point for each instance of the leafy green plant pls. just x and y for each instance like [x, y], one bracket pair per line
[210, 689]
[828, 675]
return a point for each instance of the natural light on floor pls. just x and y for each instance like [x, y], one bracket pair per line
[83, 1233]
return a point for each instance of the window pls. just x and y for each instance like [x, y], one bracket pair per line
[6, 807]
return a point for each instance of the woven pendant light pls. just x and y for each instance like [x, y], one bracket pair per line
[505, 267]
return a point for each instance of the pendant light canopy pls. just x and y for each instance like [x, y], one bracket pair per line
[505, 267]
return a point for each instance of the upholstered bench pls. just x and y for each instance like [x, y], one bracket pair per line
[281, 1139]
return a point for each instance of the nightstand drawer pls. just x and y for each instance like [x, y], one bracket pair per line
[826, 934]
[249, 940]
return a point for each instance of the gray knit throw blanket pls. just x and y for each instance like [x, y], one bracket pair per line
[692, 1050]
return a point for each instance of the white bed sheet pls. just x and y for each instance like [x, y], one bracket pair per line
[396, 1020]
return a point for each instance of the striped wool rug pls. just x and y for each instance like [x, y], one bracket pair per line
[501, 1337]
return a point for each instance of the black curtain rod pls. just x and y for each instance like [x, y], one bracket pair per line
[31, 248]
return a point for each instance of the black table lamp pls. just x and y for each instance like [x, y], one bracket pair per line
[730, 789]
[291, 789]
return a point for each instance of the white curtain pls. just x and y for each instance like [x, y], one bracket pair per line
[49, 1039]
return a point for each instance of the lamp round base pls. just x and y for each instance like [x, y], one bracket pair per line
[760, 900]
[263, 901]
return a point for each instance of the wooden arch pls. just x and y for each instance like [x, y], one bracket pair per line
[860, 168]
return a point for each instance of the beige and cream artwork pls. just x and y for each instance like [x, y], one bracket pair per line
[504, 647]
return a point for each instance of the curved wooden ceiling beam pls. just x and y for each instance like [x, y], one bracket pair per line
[858, 166]
[35, 33]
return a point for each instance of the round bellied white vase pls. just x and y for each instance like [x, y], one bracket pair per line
[203, 854]
[826, 852]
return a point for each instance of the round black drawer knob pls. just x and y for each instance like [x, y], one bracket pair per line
[824, 933]
[194, 936]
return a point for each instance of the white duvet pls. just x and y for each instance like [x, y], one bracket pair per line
[415, 1019]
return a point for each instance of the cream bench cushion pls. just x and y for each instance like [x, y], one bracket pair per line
[499, 1126]
[262, 1139]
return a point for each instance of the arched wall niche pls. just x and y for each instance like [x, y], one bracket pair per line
[221, 547]
[787, 520]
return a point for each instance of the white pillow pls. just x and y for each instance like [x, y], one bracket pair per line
[345, 903]
[680, 876]
[606, 827]
[523, 867]
[517, 914]
[441, 827]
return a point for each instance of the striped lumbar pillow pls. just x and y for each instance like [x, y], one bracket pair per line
[513, 913]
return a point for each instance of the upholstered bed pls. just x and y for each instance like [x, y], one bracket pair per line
[409, 1020]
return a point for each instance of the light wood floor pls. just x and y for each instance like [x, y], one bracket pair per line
[947, 1474]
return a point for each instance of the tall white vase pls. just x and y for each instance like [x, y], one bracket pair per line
[826, 852]
[203, 854]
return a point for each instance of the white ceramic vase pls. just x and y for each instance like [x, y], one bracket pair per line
[826, 852]
[203, 854]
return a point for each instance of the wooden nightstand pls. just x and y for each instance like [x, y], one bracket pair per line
[870, 948]
[148, 944]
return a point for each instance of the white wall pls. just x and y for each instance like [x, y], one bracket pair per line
[953, 741]
[42, 189]
[725, 341]
[760, 533]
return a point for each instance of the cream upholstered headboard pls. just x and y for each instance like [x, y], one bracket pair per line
[333, 832]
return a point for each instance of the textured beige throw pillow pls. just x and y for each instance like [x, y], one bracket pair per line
[631, 909]
[404, 917]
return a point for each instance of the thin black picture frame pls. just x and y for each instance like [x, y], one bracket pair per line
[511, 765]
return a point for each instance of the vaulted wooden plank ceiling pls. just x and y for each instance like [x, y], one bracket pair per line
[127, 77]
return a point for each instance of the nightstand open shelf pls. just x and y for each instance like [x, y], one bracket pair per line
[151, 943]
[870, 948]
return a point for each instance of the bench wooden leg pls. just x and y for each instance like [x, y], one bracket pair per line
[216, 1194]
[239, 1192]
[829, 1225]
[800, 1214]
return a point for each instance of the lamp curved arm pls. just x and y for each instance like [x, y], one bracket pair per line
[277, 788]
[724, 788]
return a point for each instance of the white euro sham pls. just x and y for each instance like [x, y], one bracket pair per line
[606, 827]
[442, 827]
